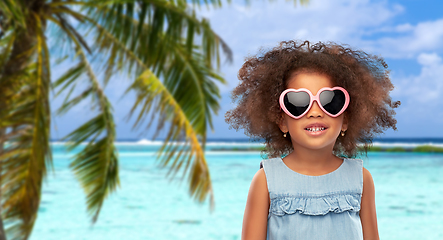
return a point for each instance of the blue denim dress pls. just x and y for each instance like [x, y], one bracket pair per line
[314, 207]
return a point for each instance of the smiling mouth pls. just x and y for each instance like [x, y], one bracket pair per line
[315, 129]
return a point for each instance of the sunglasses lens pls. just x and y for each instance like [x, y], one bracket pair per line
[296, 102]
[332, 101]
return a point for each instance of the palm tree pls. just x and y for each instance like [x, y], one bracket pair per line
[172, 57]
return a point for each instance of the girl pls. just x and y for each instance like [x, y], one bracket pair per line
[312, 104]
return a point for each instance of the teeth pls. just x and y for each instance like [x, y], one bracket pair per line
[316, 129]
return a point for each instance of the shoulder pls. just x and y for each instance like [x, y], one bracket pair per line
[368, 182]
[259, 185]
[259, 181]
[367, 177]
[258, 195]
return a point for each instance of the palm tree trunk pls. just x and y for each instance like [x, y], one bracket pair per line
[15, 65]
[20, 57]
[2, 228]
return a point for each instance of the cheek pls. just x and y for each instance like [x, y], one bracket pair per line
[339, 123]
[290, 124]
[283, 125]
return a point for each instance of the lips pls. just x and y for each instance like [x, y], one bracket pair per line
[316, 125]
[316, 129]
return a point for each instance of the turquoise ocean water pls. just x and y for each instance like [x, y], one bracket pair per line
[409, 198]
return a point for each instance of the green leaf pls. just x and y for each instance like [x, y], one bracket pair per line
[26, 159]
[96, 166]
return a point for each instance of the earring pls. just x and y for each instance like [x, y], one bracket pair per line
[284, 134]
[342, 133]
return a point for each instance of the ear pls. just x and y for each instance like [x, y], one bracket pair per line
[344, 126]
[282, 125]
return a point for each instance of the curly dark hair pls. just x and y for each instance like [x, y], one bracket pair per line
[264, 77]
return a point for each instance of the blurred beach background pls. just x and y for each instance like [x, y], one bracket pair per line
[409, 190]
[100, 62]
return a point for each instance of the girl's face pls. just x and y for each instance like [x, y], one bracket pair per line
[302, 131]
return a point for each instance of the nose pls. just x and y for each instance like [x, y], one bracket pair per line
[315, 111]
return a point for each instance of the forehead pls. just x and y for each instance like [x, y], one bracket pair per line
[311, 81]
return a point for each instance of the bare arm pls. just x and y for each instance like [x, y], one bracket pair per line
[255, 219]
[368, 215]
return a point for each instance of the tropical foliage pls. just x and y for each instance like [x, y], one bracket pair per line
[171, 57]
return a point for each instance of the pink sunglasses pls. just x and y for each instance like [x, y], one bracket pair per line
[297, 102]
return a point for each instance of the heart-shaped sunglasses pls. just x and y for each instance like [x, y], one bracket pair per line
[297, 102]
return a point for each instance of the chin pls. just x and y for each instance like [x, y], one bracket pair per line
[316, 145]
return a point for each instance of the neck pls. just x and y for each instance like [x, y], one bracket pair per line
[312, 161]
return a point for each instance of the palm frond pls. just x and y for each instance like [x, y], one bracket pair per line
[6, 47]
[162, 19]
[199, 82]
[70, 31]
[182, 122]
[13, 12]
[189, 151]
[26, 160]
[165, 51]
[96, 166]
[68, 78]
[181, 67]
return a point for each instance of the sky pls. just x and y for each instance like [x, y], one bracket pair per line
[408, 34]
